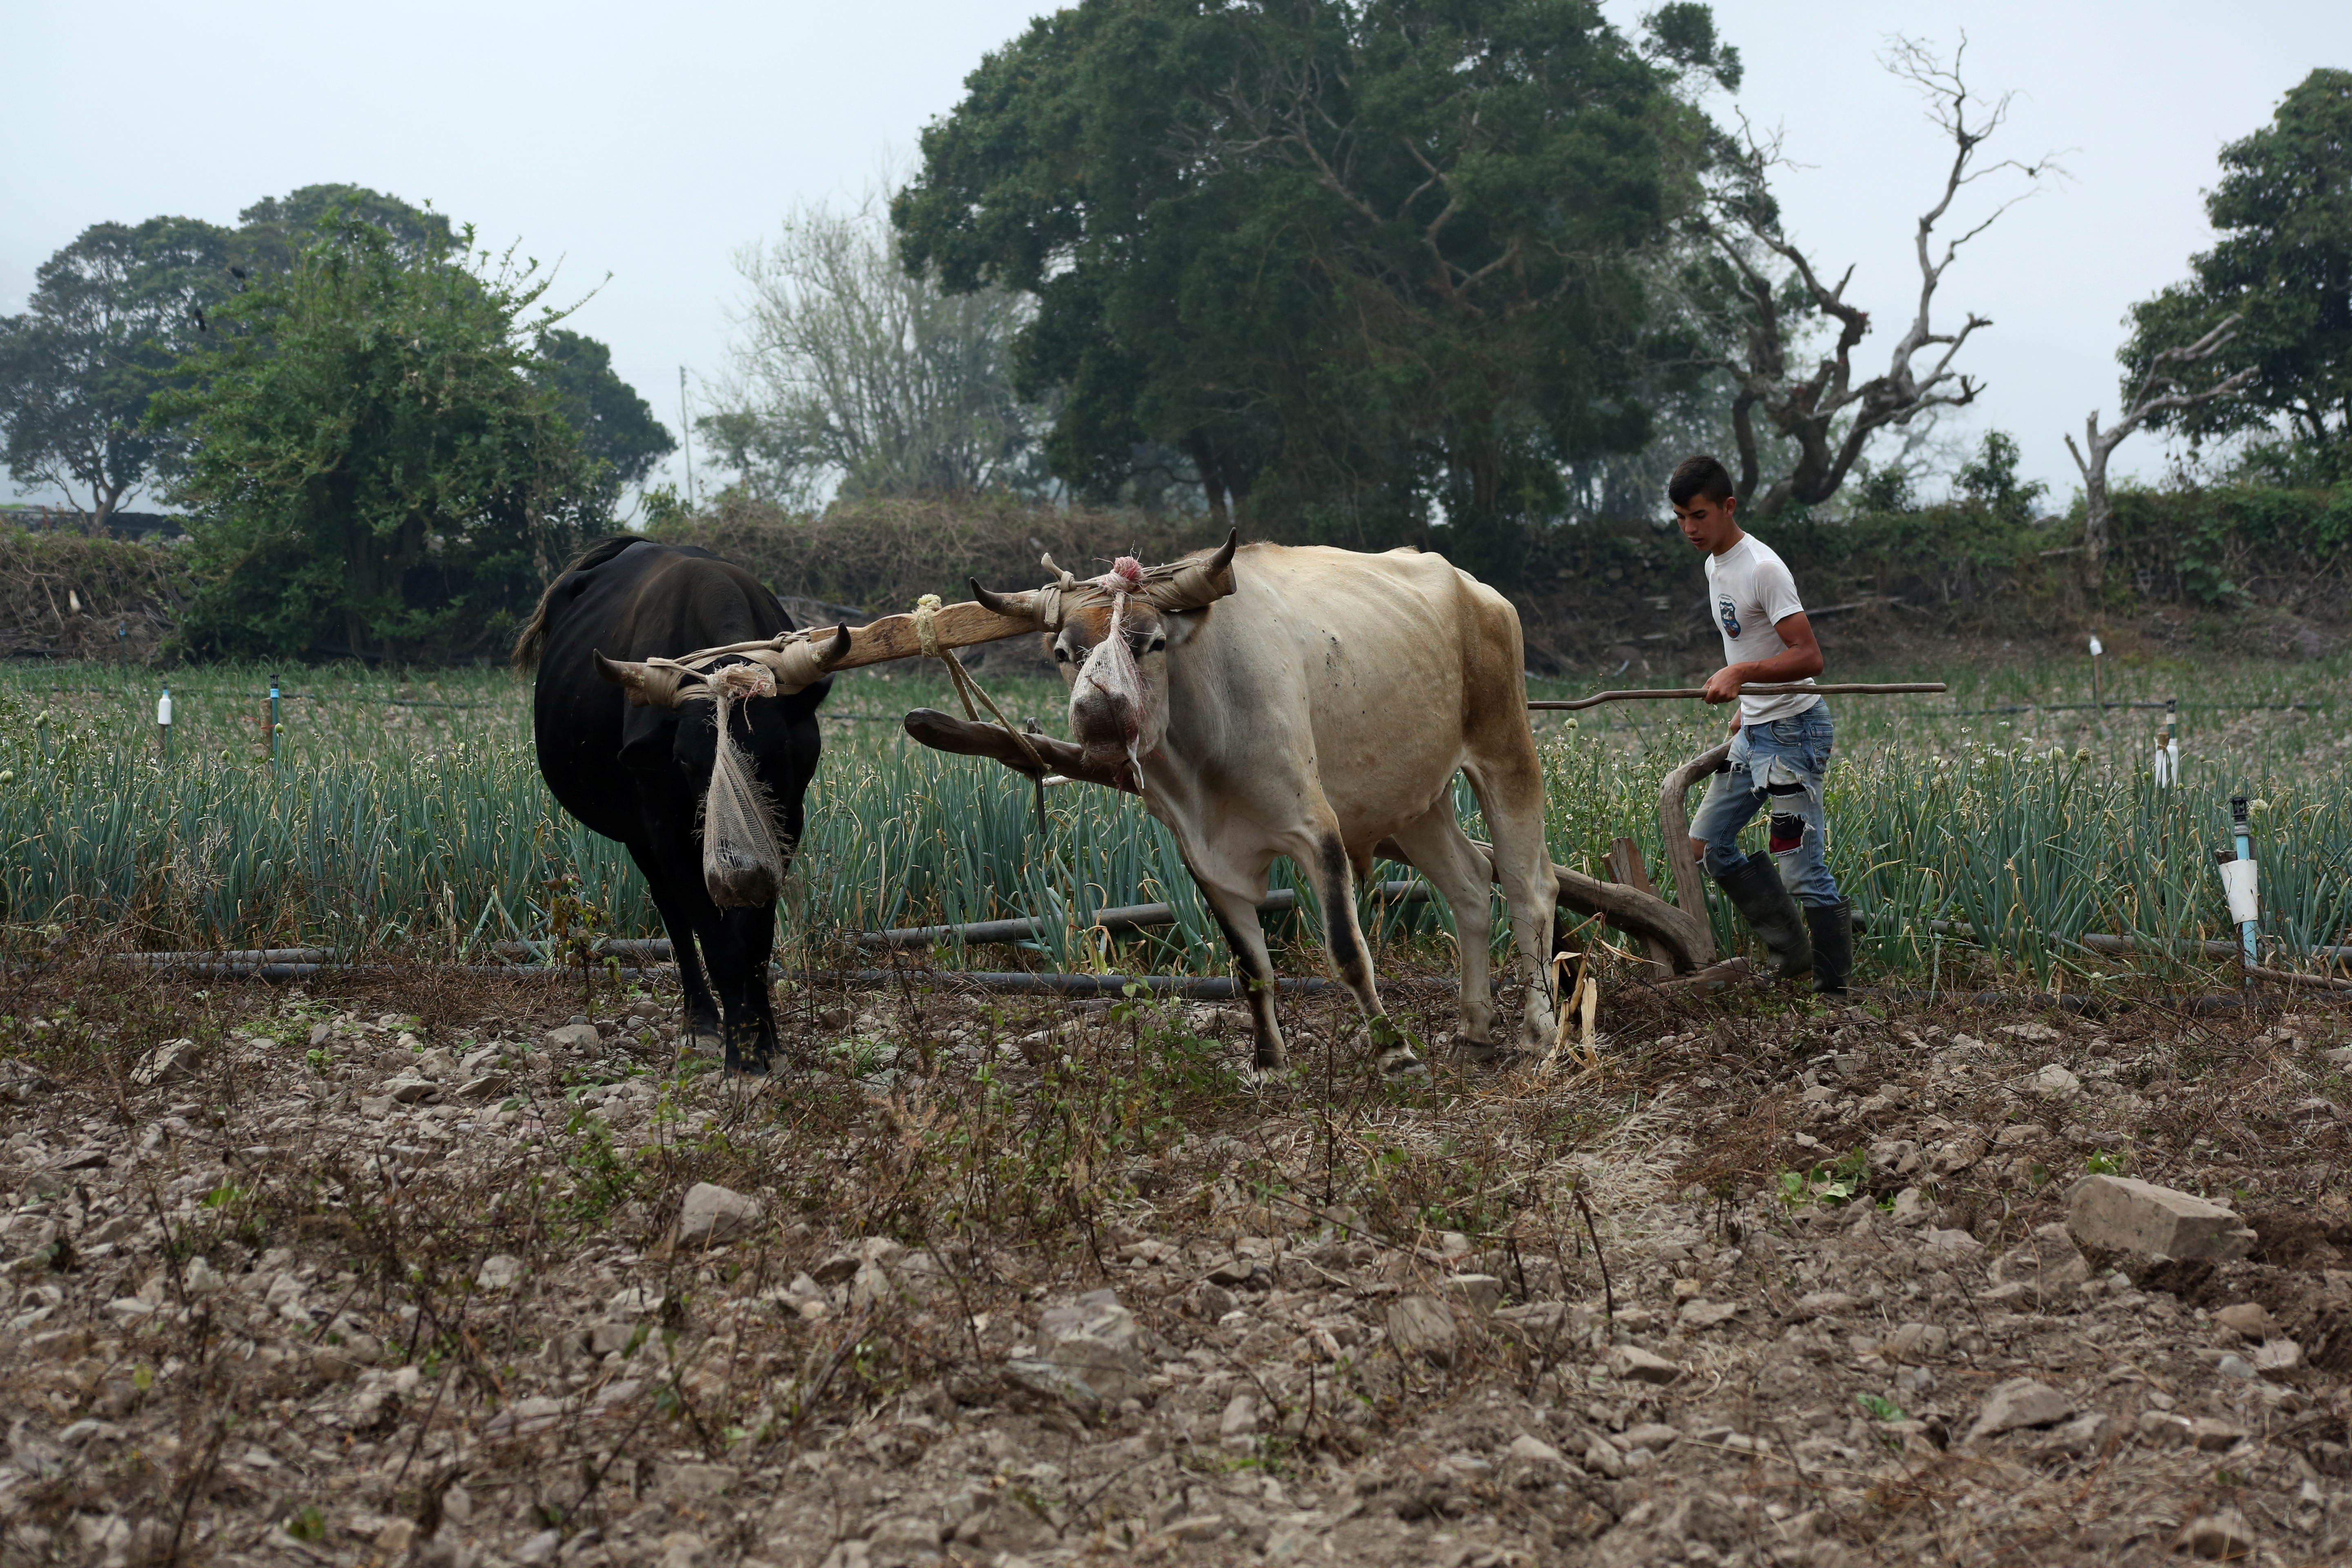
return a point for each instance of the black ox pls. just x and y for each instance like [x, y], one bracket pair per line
[640, 773]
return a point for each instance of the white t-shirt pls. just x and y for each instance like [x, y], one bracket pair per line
[1750, 591]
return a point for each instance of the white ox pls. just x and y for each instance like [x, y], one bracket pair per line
[1315, 703]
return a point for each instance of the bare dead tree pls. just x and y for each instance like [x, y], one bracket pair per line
[2161, 391]
[1828, 416]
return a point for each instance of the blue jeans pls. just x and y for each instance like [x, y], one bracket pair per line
[1781, 765]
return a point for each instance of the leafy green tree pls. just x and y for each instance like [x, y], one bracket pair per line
[851, 374]
[616, 427]
[1990, 480]
[277, 229]
[1370, 268]
[2284, 266]
[109, 314]
[372, 472]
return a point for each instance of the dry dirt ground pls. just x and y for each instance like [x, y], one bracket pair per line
[414, 1271]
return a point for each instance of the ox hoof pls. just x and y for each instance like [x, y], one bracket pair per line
[1484, 1053]
[1398, 1062]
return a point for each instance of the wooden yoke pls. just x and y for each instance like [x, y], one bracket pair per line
[956, 626]
[798, 659]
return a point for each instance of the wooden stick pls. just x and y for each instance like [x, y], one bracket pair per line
[1625, 865]
[1846, 689]
[1674, 825]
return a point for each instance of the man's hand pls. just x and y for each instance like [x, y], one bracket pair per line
[1724, 684]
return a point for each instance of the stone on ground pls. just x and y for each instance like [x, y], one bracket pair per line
[2251, 1318]
[2218, 1537]
[2020, 1402]
[1631, 1363]
[1097, 1340]
[167, 1063]
[1481, 1292]
[1419, 1325]
[2122, 1214]
[712, 1214]
[2055, 1082]
[2048, 1261]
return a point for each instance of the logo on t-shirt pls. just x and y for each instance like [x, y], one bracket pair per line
[1728, 613]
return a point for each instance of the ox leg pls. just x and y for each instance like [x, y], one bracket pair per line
[1246, 939]
[1510, 794]
[1351, 958]
[734, 951]
[737, 943]
[701, 1012]
[1440, 851]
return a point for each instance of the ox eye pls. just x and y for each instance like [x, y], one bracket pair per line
[1061, 654]
[1158, 645]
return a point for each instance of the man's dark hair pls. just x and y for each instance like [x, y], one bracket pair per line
[1699, 476]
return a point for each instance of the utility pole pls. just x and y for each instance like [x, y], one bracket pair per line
[686, 430]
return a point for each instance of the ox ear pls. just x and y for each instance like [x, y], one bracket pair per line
[1184, 625]
[648, 685]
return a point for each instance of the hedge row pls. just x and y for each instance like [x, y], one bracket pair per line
[1587, 588]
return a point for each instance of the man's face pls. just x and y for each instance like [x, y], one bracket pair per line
[1707, 524]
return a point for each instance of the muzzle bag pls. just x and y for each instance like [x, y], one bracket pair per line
[742, 863]
[1111, 667]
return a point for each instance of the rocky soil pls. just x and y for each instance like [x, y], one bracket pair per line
[421, 1275]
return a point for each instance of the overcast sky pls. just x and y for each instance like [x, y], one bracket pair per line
[651, 143]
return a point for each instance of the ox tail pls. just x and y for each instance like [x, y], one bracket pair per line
[534, 637]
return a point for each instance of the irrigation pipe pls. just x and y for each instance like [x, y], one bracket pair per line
[2100, 942]
[1120, 918]
[2085, 707]
[1837, 689]
[1183, 987]
[254, 964]
[2112, 946]
[214, 967]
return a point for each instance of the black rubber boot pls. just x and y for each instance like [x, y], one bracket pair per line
[1832, 926]
[1764, 901]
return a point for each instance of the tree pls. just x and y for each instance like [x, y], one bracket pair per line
[616, 426]
[2162, 392]
[372, 472]
[275, 229]
[1760, 320]
[853, 373]
[123, 304]
[2283, 270]
[1990, 480]
[109, 315]
[1370, 268]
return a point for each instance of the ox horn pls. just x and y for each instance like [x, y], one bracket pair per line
[648, 685]
[1196, 584]
[797, 666]
[1013, 607]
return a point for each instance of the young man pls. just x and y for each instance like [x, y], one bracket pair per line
[1780, 745]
